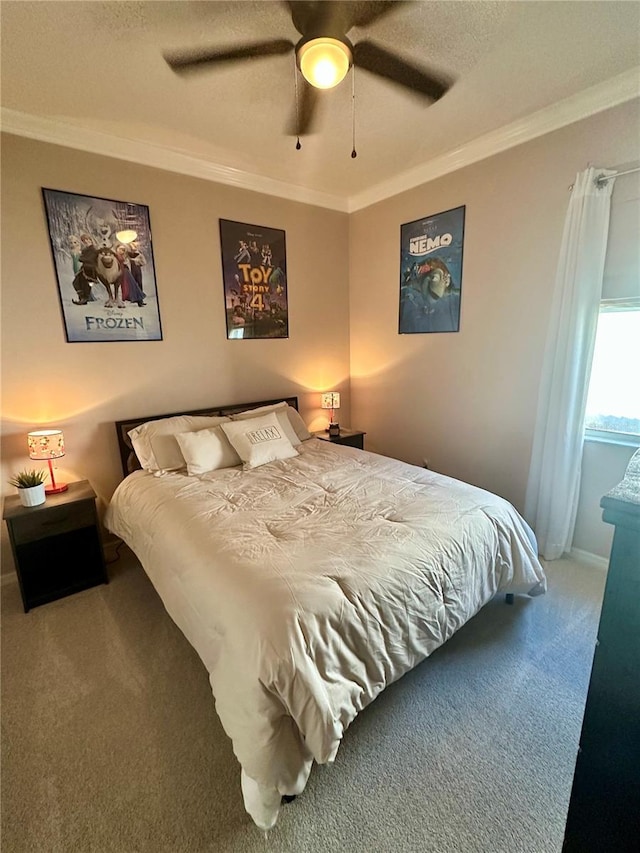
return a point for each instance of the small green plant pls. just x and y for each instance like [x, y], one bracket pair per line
[28, 479]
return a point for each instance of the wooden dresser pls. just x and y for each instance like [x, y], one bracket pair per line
[604, 811]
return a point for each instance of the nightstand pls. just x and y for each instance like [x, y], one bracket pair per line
[56, 546]
[350, 437]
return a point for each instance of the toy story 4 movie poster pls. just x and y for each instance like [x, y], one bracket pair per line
[104, 264]
[431, 273]
[254, 270]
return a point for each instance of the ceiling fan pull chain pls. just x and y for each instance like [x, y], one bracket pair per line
[295, 81]
[354, 153]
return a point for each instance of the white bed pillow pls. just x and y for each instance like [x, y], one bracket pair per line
[261, 410]
[259, 440]
[293, 425]
[155, 441]
[297, 423]
[207, 450]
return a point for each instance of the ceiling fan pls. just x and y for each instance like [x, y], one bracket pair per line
[324, 54]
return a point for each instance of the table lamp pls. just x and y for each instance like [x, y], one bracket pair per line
[48, 444]
[331, 400]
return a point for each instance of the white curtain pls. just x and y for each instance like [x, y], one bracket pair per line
[554, 475]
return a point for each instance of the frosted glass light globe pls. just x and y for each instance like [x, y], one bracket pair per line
[324, 62]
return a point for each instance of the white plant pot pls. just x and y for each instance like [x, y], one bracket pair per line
[34, 496]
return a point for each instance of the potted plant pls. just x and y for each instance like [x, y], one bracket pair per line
[30, 486]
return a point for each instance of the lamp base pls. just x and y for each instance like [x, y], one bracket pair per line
[334, 430]
[54, 490]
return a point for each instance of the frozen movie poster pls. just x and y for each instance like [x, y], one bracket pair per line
[103, 259]
[431, 273]
[254, 271]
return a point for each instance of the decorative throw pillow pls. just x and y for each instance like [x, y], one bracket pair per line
[155, 441]
[291, 422]
[259, 440]
[207, 450]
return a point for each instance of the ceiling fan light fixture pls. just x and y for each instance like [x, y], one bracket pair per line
[324, 62]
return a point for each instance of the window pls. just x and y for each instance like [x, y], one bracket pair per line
[613, 404]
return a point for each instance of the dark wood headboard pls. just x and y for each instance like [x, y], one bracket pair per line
[128, 458]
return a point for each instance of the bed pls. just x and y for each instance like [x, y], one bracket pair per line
[308, 583]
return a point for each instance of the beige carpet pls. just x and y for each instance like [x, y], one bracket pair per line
[110, 741]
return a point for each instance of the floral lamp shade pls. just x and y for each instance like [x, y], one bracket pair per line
[331, 400]
[48, 444]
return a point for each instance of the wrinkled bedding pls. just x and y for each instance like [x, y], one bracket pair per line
[307, 585]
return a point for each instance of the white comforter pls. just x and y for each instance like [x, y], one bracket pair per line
[308, 585]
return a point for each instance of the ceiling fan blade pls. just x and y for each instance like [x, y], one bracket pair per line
[305, 117]
[361, 14]
[389, 65]
[188, 60]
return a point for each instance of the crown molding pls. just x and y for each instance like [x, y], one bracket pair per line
[618, 90]
[149, 154]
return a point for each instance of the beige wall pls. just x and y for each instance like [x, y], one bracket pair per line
[467, 401]
[84, 387]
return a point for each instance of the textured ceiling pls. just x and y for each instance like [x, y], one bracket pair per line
[100, 65]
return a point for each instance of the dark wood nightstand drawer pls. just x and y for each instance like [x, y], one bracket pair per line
[56, 520]
[356, 440]
[350, 437]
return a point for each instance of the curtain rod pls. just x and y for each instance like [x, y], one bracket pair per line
[602, 179]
